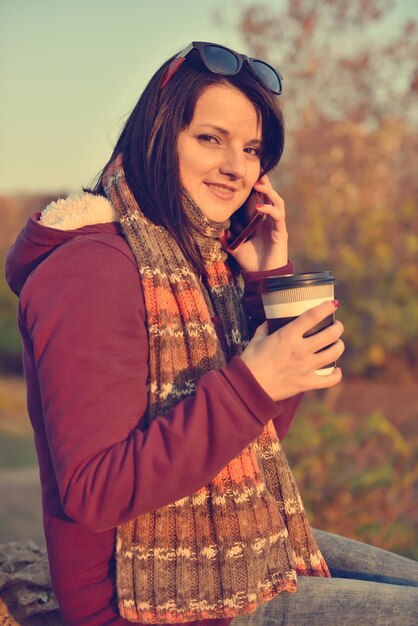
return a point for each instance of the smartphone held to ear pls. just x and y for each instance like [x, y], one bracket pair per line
[245, 221]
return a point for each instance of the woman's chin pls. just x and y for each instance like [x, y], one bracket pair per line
[217, 215]
[217, 211]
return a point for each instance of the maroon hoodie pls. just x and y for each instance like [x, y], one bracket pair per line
[85, 353]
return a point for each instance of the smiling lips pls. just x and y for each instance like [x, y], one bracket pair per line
[224, 192]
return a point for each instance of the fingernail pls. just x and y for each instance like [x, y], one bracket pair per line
[336, 303]
[259, 206]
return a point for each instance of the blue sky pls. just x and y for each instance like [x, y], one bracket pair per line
[70, 71]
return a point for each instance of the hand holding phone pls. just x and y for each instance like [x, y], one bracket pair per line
[268, 249]
[248, 220]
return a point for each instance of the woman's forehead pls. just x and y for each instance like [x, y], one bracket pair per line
[228, 108]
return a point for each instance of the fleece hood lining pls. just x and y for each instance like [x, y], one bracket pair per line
[77, 211]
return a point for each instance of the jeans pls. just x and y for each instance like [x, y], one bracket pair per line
[369, 586]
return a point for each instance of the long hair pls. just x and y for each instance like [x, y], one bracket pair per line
[148, 141]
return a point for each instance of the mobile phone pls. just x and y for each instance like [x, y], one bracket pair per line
[245, 221]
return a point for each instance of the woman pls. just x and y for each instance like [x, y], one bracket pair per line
[166, 495]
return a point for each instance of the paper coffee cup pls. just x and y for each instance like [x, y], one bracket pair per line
[287, 297]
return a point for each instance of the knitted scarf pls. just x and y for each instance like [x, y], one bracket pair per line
[244, 537]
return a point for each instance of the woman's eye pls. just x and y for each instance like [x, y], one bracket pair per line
[208, 138]
[253, 151]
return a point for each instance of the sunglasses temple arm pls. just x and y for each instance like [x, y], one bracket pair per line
[171, 70]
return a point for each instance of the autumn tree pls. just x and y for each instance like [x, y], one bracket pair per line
[349, 173]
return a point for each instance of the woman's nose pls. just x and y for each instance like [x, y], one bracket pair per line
[234, 164]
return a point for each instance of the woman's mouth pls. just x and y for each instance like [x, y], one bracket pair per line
[223, 192]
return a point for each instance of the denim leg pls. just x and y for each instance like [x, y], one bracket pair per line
[369, 587]
[347, 558]
[338, 602]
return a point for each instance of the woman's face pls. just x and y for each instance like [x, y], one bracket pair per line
[219, 153]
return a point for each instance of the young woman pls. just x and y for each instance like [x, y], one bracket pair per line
[157, 418]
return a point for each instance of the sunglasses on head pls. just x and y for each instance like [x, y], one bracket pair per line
[220, 60]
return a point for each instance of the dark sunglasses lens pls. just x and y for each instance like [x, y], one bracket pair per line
[219, 60]
[268, 76]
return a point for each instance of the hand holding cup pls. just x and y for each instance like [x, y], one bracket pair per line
[285, 362]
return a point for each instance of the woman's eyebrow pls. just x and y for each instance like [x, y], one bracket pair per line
[224, 131]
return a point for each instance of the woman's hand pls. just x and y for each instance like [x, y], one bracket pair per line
[267, 250]
[284, 362]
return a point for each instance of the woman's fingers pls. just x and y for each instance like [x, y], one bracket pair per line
[317, 381]
[325, 337]
[273, 206]
[277, 214]
[264, 186]
[264, 180]
[328, 355]
[314, 316]
[325, 346]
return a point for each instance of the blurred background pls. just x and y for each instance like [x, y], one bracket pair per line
[70, 74]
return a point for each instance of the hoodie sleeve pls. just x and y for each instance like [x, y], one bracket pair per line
[82, 314]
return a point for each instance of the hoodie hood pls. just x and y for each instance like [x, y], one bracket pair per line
[60, 221]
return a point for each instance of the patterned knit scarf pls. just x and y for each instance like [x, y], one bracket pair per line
[244, 537]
